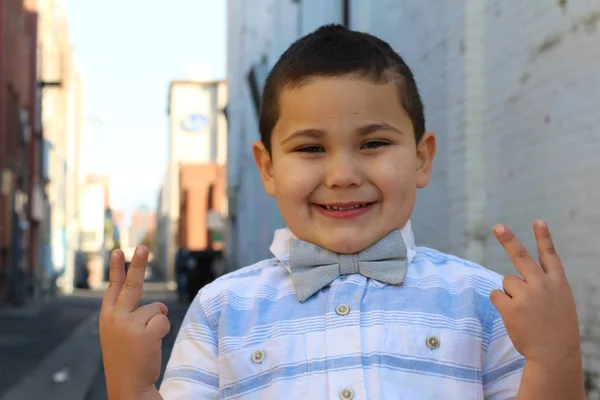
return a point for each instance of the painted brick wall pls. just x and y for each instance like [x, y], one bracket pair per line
[542, 117]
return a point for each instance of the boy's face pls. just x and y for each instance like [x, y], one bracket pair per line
[344, 164]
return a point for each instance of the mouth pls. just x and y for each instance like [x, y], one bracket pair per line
[344, 210]
[344, 206]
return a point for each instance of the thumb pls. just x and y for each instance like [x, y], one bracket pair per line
[500, 300]
[159, 325]
[162, 307]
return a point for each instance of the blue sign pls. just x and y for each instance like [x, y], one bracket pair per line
[194, 122]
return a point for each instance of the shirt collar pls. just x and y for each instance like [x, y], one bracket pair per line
[281, 243]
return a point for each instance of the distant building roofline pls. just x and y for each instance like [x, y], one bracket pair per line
[183, 82]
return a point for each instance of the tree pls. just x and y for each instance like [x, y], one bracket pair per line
[149, 241]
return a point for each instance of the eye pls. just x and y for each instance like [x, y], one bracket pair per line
[374, 144]
[311, 149]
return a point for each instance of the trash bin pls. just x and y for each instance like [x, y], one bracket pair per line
[199, 271]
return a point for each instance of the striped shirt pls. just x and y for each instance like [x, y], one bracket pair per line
[437, 336]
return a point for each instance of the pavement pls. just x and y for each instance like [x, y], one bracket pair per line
[50, 350]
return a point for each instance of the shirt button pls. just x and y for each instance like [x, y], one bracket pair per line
[347, 394]
[433, 342]
[342, 310]
[258, 356]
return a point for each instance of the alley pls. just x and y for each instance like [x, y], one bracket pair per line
[125, 124]
[51, 350]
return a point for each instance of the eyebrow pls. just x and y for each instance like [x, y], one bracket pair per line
[362, 131]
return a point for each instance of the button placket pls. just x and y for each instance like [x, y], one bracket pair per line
[344, 311]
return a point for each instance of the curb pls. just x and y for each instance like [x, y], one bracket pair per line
[79, 354]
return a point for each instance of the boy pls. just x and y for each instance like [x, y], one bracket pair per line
[350, 307]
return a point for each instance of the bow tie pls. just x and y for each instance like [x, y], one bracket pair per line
[313, 267]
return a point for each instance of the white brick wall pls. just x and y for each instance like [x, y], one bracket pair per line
[542, 123]
[512, 89]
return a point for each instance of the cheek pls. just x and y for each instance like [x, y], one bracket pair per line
[295, 182]
[396, 186]
[395, 177]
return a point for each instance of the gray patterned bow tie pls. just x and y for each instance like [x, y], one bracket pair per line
[313, 267]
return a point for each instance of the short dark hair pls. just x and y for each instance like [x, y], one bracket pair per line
[333, 50]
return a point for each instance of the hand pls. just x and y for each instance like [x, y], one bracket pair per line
[539, 310]
[130, 337]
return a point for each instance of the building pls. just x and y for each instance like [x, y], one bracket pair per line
[99, 227]
[511, 89]
[101, 230]
[61, 117]
[162, 226]
[89, 271]
[202, 201]
[40, 114]
[143, 223]
[122, 224]
[119, 220]
[21, 194]
[197, 137]
[92, 217]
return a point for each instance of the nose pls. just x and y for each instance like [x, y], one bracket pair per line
[343, 171]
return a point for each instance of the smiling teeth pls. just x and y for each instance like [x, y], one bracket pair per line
[335, 208]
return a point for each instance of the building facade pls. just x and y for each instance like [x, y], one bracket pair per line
[101, 231]
[510, 88]
[61, 116]
[21, 190]
[143, 222]
[197, 136]
[201, 203]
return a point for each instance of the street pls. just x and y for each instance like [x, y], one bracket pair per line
[50, 350]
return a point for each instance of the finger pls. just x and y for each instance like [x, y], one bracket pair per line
[513, 285]
[159, 325]
[549, 260]
[145, 313]
[500, 300]
[131, 294]
[518, 254]
[116, 278]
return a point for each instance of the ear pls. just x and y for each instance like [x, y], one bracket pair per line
[425, 155]
[263, 161]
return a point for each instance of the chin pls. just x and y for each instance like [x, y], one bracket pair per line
[346, 244]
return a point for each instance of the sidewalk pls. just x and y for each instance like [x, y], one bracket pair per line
[31, 335]
[58, 338]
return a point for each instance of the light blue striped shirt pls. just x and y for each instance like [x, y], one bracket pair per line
[437, 336]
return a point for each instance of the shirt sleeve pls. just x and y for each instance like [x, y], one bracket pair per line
[502, 363]
[192, 370]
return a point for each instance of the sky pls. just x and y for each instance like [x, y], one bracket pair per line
[127, 52]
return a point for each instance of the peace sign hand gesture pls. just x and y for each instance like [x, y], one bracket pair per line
[540, 316]
[131, 336]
